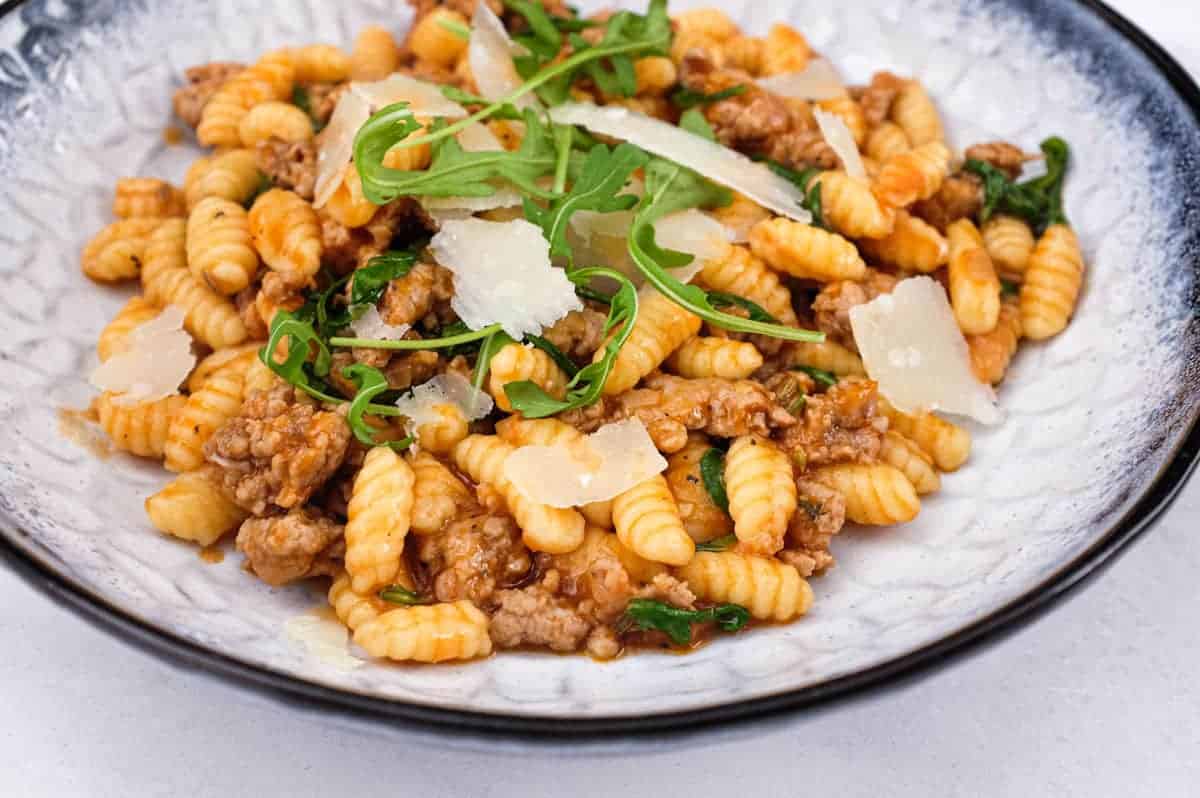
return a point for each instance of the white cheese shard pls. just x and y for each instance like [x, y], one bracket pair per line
[818, 81]
[425, 99]
[604, 465]
[490, 55]
[503, 275]
[421, 406]
[696, 233]
[841, 140]
[155, 359]
[337, 144]
[911, 345]
[443, 208]
[716, 162]
[371, 325]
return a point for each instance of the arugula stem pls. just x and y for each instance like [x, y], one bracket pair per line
[563, 139]
[432, 343]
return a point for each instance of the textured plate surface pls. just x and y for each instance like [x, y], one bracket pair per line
[1094, 416]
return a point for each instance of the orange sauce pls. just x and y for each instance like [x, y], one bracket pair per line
[212, 554]
[77, 427]
[172, 135]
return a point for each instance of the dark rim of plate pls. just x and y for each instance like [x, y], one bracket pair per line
[1025, 608]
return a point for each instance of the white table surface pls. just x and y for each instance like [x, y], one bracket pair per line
[1097, 698]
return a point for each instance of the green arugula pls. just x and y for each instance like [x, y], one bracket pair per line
[399, 594]
[454, 94]
[457, 28]
[802, 180]
[544, 39]
[821, 376]
[445, 342]
[687, 98]
[372, 280]
[303, 100]
[483, 362]
[1009, 288]
[557, 355]
[676, 623]
[452, 172]
[720, 299]
[587, 385]
[370, 383]
[718, 544]
[1039, 200]
[712, 472]
[604, 174]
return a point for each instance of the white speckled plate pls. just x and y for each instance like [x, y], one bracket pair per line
[1101, 433]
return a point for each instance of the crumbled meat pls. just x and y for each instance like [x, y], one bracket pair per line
[960, 197]
[802, 149]
[578, 334]
[323, 99]
[413, 296]
[247, 308]
[750, 120]
[278, 450]
[1008, 158]
[474, 557]
[832, 306]
[289, 165]
[877, 97]
[284, 548]
[203, 82]
[347, 249]
[791, 388]
[536, 616]
[670, 590]
[593, 578]
[671, 406]
[820, 515]
[841, 425]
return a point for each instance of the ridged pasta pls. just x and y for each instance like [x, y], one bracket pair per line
[886, 141]
[287, 234]
[379, 517]
[851, 209]
[913, 175]
[914, 111]
[210, 317]
[745, 53]
[1052, 282]
[739, 216]
[192, 507]
[437, 633]
[786, 50]
[232, 175]
[806, 252]
[166, 251]
[136, 312]
[655, 75]
[992, 352]
[116, 253]
[147, 198]
[726, 358]
[914, 246]
[410, 159]
[876, 494]
[430, 40]
[974, 285]
[647, 520]
[661, 326]
[319, 63]
[948, 444]
[354, 609]
[375, 55]
[906, 457]
[219, 248]
[204, 413]
[709, 23]
[519, 363]
[272, 78]
[237, 359]
[438, 495]
[743, 274]
[1010, 242]
[348, 205]
[139, 429]
[549, 529]
[771, 590]
[276, 120]
[259, 377]
[701, 516]
[762, 493]
[441, 434]
[827, 356]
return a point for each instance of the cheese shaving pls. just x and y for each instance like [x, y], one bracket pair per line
[717, 163]
[371, 325]
[841, 140]
[155, 359]
[911, 345]
[490, 55]
[337, 145]
[421, 406]
[605, 464]
[818, 81]
[425, 99]
[503, 274]
[695, 233]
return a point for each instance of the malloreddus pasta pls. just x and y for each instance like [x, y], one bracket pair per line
[401, 264]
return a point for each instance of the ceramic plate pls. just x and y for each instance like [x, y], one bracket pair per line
[1101, 433]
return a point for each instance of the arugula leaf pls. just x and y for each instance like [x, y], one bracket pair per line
[557, 355]
[445, 342]
[1009, 288]
[370, 383]
[587, 385]
[676, 623]
[453, 172]
[801, 180]
[545, 39]
[399, 594]
[372, 280]
[583, 292]
[687, 98]
[718, 544]
[720, 299]
[1038, 201]
[696, 123]
[303, 100]
[669, 188]
[822, 377]
[712, 471]
[457, 28]
[454, 94]
[295, 368]
[605, 173]
[483, 363]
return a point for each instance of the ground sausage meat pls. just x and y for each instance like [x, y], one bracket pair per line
[289, 165]
[537, 616]
[284, 548]
[578, 334]
[821, 514]
[832, 306]
[278, 451]
[323, 99]
[960, 197]
[877, 97]
[416, 294]
[841, 425]
[1008, 158]
[474, 557]
[203, 82]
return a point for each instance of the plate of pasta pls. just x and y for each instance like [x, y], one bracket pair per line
[470, 360]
